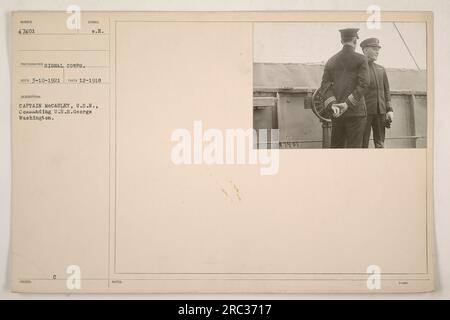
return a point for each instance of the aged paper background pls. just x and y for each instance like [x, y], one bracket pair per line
[134, 222]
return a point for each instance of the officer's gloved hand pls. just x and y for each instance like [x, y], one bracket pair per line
[390, 116]
[335, 110]
[389, 119]
[339, 109]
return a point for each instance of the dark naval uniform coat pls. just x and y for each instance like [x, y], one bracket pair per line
[378, 102]
[347, 75]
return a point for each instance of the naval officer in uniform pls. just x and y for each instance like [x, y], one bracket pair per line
[346, 76]
[378, 97]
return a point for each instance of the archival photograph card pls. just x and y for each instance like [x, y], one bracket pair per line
[222, 152]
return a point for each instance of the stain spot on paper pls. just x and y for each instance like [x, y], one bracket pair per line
[236, 189]
[224, 192]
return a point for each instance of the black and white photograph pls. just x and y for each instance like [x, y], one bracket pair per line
[341, 85]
